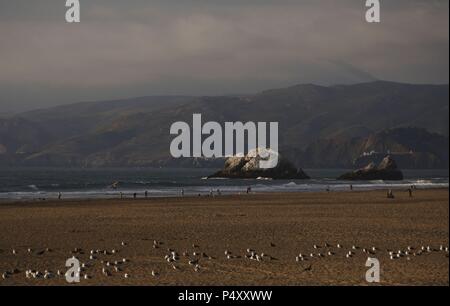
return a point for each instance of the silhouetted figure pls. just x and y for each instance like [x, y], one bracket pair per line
[60, 196]
[351, 187]
[390, 194]
[121, 195]
[134, 195]
[146, 194]
[249, 190]
[410, 191]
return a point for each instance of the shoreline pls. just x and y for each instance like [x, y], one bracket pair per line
[128, 196]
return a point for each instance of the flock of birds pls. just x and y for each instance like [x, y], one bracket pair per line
[195, 257]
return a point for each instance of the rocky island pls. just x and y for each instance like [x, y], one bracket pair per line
[387, 170]
[247, 167]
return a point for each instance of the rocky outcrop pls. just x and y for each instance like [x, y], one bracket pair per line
[387, 170]
[248, 167]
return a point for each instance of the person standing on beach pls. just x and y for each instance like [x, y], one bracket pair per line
[410, 191]
[146, 194]
[134, 195]
[121, 195]
[390, 194]
[60, 196]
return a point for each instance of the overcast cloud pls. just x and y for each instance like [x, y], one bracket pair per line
[210, 47]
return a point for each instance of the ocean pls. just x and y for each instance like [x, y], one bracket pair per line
[40, 183]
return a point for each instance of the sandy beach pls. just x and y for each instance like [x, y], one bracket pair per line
[279, 225]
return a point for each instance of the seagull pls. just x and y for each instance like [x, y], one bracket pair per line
[226, 253]
[106, 272]
[127, 275]
[154, 274]
[5, 275]
[330, 253]
[124, 260]
[175, 267]
[30, 250]
[123, 243]
[86, 277]
[14, 252]
[339, 246]
[316, 246]
[193, 262]
[197, 268]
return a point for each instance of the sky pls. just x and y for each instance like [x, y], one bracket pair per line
[133, 48]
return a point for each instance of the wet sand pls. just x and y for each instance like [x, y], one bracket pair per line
[279, 225]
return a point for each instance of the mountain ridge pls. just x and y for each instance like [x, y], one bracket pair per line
[135, 132]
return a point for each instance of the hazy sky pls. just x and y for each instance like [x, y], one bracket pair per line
[133, 48]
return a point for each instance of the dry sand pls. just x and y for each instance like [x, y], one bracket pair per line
[281, 225]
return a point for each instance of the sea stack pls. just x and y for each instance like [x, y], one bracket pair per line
[387, 170]
[247, 167]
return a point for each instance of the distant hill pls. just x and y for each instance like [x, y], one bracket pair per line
[319, 126]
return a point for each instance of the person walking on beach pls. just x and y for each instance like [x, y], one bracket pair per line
[59, 196]
[134, 195]
[182, 192]
[146, 194]
[249, 190]
[410, 191]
